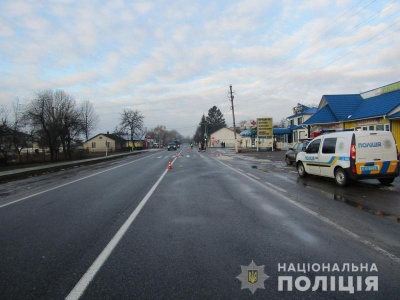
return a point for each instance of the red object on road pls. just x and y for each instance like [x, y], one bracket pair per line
[169, 166]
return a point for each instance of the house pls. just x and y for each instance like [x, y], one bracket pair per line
[377, 109]
[105, 142]
[225, 135]
[301, 113]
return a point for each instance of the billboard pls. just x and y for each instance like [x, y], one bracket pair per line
[264, 127]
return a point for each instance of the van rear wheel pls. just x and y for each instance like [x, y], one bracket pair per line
[386, 181]
[301, 170]
[341, 177]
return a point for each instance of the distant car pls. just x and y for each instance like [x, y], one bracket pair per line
[291, 154]
[171, 146]
[155, 145]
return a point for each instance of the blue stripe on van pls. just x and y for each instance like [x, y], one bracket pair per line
[385, 167]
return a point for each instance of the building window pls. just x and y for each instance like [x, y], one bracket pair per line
[380, 127]
[302, 134]
[295, 136]
[387, 127]
[299, 120]
[93, 144]
[292, 122]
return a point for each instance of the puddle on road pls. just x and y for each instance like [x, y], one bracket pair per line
[363, 207]
[357, 205]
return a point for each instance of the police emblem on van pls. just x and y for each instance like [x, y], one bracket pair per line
[387, 144]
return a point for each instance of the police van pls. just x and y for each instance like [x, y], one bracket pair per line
[351, 155]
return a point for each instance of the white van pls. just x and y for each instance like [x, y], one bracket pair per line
[351, 155]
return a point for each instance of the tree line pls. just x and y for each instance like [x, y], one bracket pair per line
[162, 135]
[53, 118]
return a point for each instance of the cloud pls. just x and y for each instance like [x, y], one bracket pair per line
[174, 60]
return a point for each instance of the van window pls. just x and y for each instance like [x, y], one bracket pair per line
[314, 146]
[329, 145]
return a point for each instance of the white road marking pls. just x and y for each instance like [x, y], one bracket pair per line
[254, 176]
[84, 282]
[276, 187]
[240, 170]
[71, 182]
[322, 218]
[159, 157]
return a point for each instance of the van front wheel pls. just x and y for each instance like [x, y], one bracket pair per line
[301, 170]
[341, 177]
[386, 181]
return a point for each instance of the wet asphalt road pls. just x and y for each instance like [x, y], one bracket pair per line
[199, 223]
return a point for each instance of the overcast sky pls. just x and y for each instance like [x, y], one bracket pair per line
[173, 60]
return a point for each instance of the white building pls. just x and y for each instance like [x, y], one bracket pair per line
[225, 135]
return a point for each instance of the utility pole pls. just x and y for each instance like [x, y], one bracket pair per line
[233, 115]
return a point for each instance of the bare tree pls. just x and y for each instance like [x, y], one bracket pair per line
[21, 133]
[132, 120]
[57, 120]
[89, 118]
[5, 140]
[159, 133]
[70, 120]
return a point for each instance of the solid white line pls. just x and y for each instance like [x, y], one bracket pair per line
[254, 176]
[84, 282]
[71, 182]
[240, 170]
[276, 187]
[323, 219]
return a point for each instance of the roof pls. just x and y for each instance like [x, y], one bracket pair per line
[226, 128]
[307, 111]
[278, 131]
[335, 108]
[111, 136]
[342, 106]
[311, 110]
[295, 127]
[394, 116]
[323, 116]
[376, 106]
[245, 133]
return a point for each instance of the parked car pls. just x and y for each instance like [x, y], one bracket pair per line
[291, 154]
[171, 146]
[155, 145]
[351, 155]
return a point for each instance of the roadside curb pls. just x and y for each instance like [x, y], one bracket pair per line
[11, 175]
